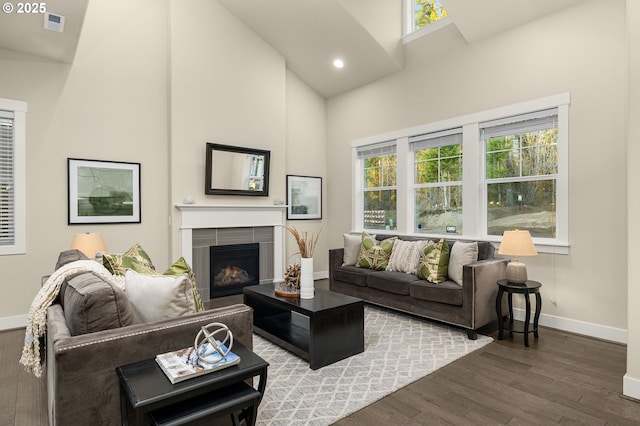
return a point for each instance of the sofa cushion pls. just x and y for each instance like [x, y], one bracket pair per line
[486, 250]
[405, 255]
[179, 267]
[352, 275]
[374, 254]
[92, 304]
[461, 254]
[157, 297]
[434, 262]
[352, 244]
[65, 257]
[118, 264]
[445, 292]
[392, 282]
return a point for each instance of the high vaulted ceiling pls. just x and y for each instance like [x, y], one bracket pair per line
[25, 32]
[366, 34]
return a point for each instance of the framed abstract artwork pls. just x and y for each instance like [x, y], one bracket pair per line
[304, 197]
[103, 191]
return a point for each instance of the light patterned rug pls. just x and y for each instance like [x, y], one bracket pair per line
[399, 349]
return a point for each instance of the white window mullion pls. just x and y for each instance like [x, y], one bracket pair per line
[404, 178]
[472, 169]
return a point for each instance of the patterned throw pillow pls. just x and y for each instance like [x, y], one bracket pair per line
[374, 254]
[118, 264]
[406, 255]
[434, 262]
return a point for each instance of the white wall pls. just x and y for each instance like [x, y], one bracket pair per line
[110, 105]
[555, 54]
[307, 156]
[228, 86]
[632, 378]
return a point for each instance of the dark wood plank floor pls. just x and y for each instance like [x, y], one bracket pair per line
[560, 379]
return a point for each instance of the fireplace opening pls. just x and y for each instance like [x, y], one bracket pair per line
[233, 267]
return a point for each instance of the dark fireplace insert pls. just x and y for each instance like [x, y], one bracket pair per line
[233, 267]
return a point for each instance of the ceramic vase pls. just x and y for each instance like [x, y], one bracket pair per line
[306, 278]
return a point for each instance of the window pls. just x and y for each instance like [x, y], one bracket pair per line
[521, 163]
[437, 182]
[421, 13]
[470, 177]
[378, 167]
[12, 188]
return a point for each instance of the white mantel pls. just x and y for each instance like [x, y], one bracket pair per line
[207, 216]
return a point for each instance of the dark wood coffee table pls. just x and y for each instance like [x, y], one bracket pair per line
[322, 330]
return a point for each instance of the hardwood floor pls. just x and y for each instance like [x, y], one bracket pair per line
[560, 379]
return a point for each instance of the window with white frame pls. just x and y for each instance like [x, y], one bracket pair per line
[509, 166]
[521, 171]
[378, 174]
[419, 14]
[437, 184]
[12, 171]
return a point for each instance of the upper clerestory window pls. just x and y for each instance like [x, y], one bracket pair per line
[423, 14]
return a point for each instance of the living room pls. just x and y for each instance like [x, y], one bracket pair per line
[152, 82]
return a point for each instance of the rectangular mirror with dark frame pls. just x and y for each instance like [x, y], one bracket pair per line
[233, 170]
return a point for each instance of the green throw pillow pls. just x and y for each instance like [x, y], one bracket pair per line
[434, 262]
[374, 254]
[118, 264]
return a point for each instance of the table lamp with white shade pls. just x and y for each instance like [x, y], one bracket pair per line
[517, 243]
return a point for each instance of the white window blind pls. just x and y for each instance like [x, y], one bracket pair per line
[526, 123]
[7, 186]
[377, 150]
[436, 139]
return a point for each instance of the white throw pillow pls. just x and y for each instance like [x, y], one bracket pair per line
[156, 297]
[406, 255]
[461, 254]
[352, 243]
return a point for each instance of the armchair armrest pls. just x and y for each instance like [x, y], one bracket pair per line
[480, 288]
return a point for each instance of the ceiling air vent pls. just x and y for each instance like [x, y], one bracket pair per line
[53, 22]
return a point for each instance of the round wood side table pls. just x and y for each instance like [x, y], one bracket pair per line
[530, 287]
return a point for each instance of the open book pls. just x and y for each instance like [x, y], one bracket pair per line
[184, 364]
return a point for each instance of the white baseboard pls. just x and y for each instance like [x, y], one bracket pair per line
[597, 331]
[321, 275]
[9, 323]
[631, 387]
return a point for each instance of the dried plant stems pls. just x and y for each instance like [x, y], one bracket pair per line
[306, 243]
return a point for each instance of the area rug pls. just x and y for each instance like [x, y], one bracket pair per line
[399, 349]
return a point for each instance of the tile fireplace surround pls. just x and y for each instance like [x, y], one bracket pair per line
[202, 225]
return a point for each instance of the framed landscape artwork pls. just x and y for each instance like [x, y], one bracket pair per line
[304, 197]
[103, 191]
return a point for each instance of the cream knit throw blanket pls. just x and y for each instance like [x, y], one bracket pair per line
[37, 319]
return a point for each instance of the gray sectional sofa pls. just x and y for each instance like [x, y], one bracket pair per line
[470, 305]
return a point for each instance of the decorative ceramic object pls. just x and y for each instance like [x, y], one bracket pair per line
[306, 245]
[306, 278]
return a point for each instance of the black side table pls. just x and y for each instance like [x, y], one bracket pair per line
[147, 395]
[530, 287]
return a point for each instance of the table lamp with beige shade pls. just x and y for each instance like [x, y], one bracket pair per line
[517, 243]
[88, 243]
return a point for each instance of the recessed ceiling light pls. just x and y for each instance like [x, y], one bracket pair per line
[338, 63]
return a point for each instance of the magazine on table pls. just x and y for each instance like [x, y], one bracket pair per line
[184, 364]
